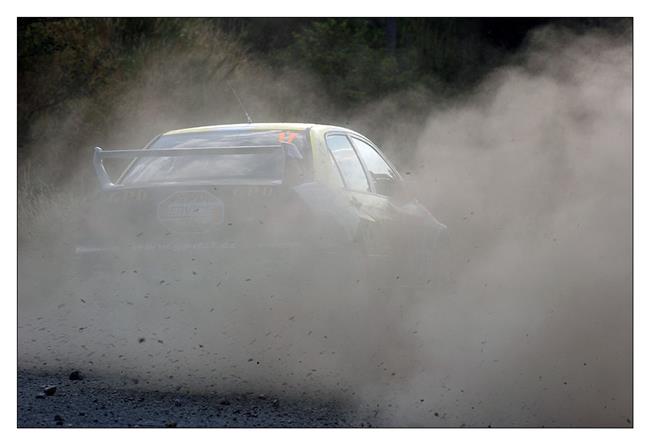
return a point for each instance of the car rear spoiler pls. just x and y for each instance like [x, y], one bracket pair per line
[105, 180]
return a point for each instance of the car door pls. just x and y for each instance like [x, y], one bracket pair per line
[407, 230]
[372, 209]
[358, 192]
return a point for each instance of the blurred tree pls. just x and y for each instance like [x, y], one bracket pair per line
[349, 57]
[75, 73]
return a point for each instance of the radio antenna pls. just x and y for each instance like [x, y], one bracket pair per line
[241, 104]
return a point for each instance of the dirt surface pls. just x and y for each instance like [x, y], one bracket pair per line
[54, 400]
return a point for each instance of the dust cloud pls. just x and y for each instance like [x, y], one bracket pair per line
[532, 174]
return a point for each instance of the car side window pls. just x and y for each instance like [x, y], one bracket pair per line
[348, 162]
[384, 177]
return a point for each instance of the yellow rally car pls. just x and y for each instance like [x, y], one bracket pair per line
[272, 189]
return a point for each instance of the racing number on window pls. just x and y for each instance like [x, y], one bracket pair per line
[287, 136]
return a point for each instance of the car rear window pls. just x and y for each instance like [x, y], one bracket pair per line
[265, 166]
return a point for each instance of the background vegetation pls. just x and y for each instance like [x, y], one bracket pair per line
[120, 81]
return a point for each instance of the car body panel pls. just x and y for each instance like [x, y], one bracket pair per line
[385, 228]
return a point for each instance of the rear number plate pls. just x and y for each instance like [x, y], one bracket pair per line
[191, 211]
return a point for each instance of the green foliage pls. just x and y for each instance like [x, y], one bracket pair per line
[75, 74]
[118, 81]
[350, 58]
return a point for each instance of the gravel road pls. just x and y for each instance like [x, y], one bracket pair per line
[56, 400]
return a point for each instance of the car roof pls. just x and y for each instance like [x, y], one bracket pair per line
[290, 126]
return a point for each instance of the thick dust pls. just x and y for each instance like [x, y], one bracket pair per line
[531, 173]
